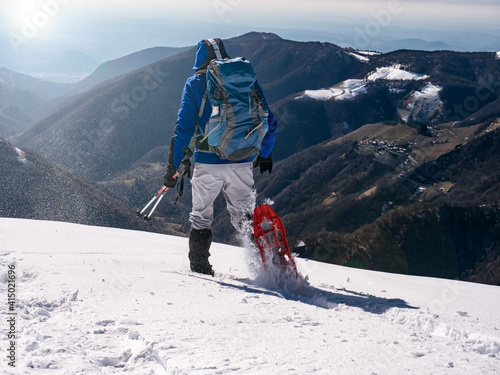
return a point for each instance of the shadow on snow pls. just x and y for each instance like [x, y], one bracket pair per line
[300, 290]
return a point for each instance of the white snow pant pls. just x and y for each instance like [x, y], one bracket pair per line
[237, 184]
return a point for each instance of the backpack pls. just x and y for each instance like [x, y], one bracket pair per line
[239, 116]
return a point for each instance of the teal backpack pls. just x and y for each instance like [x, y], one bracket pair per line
[238, 121]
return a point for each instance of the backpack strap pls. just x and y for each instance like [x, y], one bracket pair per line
[215, 47]
[203, 102]
[200, 113]
[216, 50]
[198, 139]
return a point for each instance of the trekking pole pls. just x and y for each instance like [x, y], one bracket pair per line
[158, 197]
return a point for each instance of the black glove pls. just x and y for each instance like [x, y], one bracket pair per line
[184, 169]
[265, 164]
[169, 180]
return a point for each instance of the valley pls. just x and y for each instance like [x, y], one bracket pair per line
[387, 162]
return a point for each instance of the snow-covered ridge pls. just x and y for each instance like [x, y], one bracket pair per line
[347, 89]
[394, 73]
[369, 53]
[359, 57]
[362, 55]
[96, 300]
[353, 87]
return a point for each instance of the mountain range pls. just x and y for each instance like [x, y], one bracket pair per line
[373, 150]
[26, 99]
[34, 188]
[36, 56]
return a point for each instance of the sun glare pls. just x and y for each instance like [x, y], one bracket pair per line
[34, 18]
[21, 10]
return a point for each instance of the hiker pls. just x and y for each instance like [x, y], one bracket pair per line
[213, 174]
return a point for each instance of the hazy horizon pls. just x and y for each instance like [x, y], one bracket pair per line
[105, 31]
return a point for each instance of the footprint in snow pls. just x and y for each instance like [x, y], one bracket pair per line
[119, 361]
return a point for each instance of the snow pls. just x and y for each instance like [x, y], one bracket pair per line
[359, 57]
[498, 55]
[21, 155]
[394, 73]
[423, 104]
[347, 89]
[351, 88]
[429, 91]
[369, 53]
[94, 300]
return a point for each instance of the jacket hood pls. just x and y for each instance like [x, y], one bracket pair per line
[204, 54]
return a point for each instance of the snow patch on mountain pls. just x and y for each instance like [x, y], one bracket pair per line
[422, 105]
[394, 73]
[359, 57]
[498, 55]
[351, 88]
[369, 53]
[347, 89]
[21, 155]
[13, 151]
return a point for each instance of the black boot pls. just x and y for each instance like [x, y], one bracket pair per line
[199, 246]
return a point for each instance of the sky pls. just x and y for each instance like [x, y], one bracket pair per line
[295, 8]
[113, 28]
[304, 11]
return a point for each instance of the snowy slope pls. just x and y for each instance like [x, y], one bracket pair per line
[394, 73]
[359, 57]
[347, 89]
[351, 88]
[97, 300]
[422, 105]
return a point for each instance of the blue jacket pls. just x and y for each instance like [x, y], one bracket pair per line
[187, 118]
